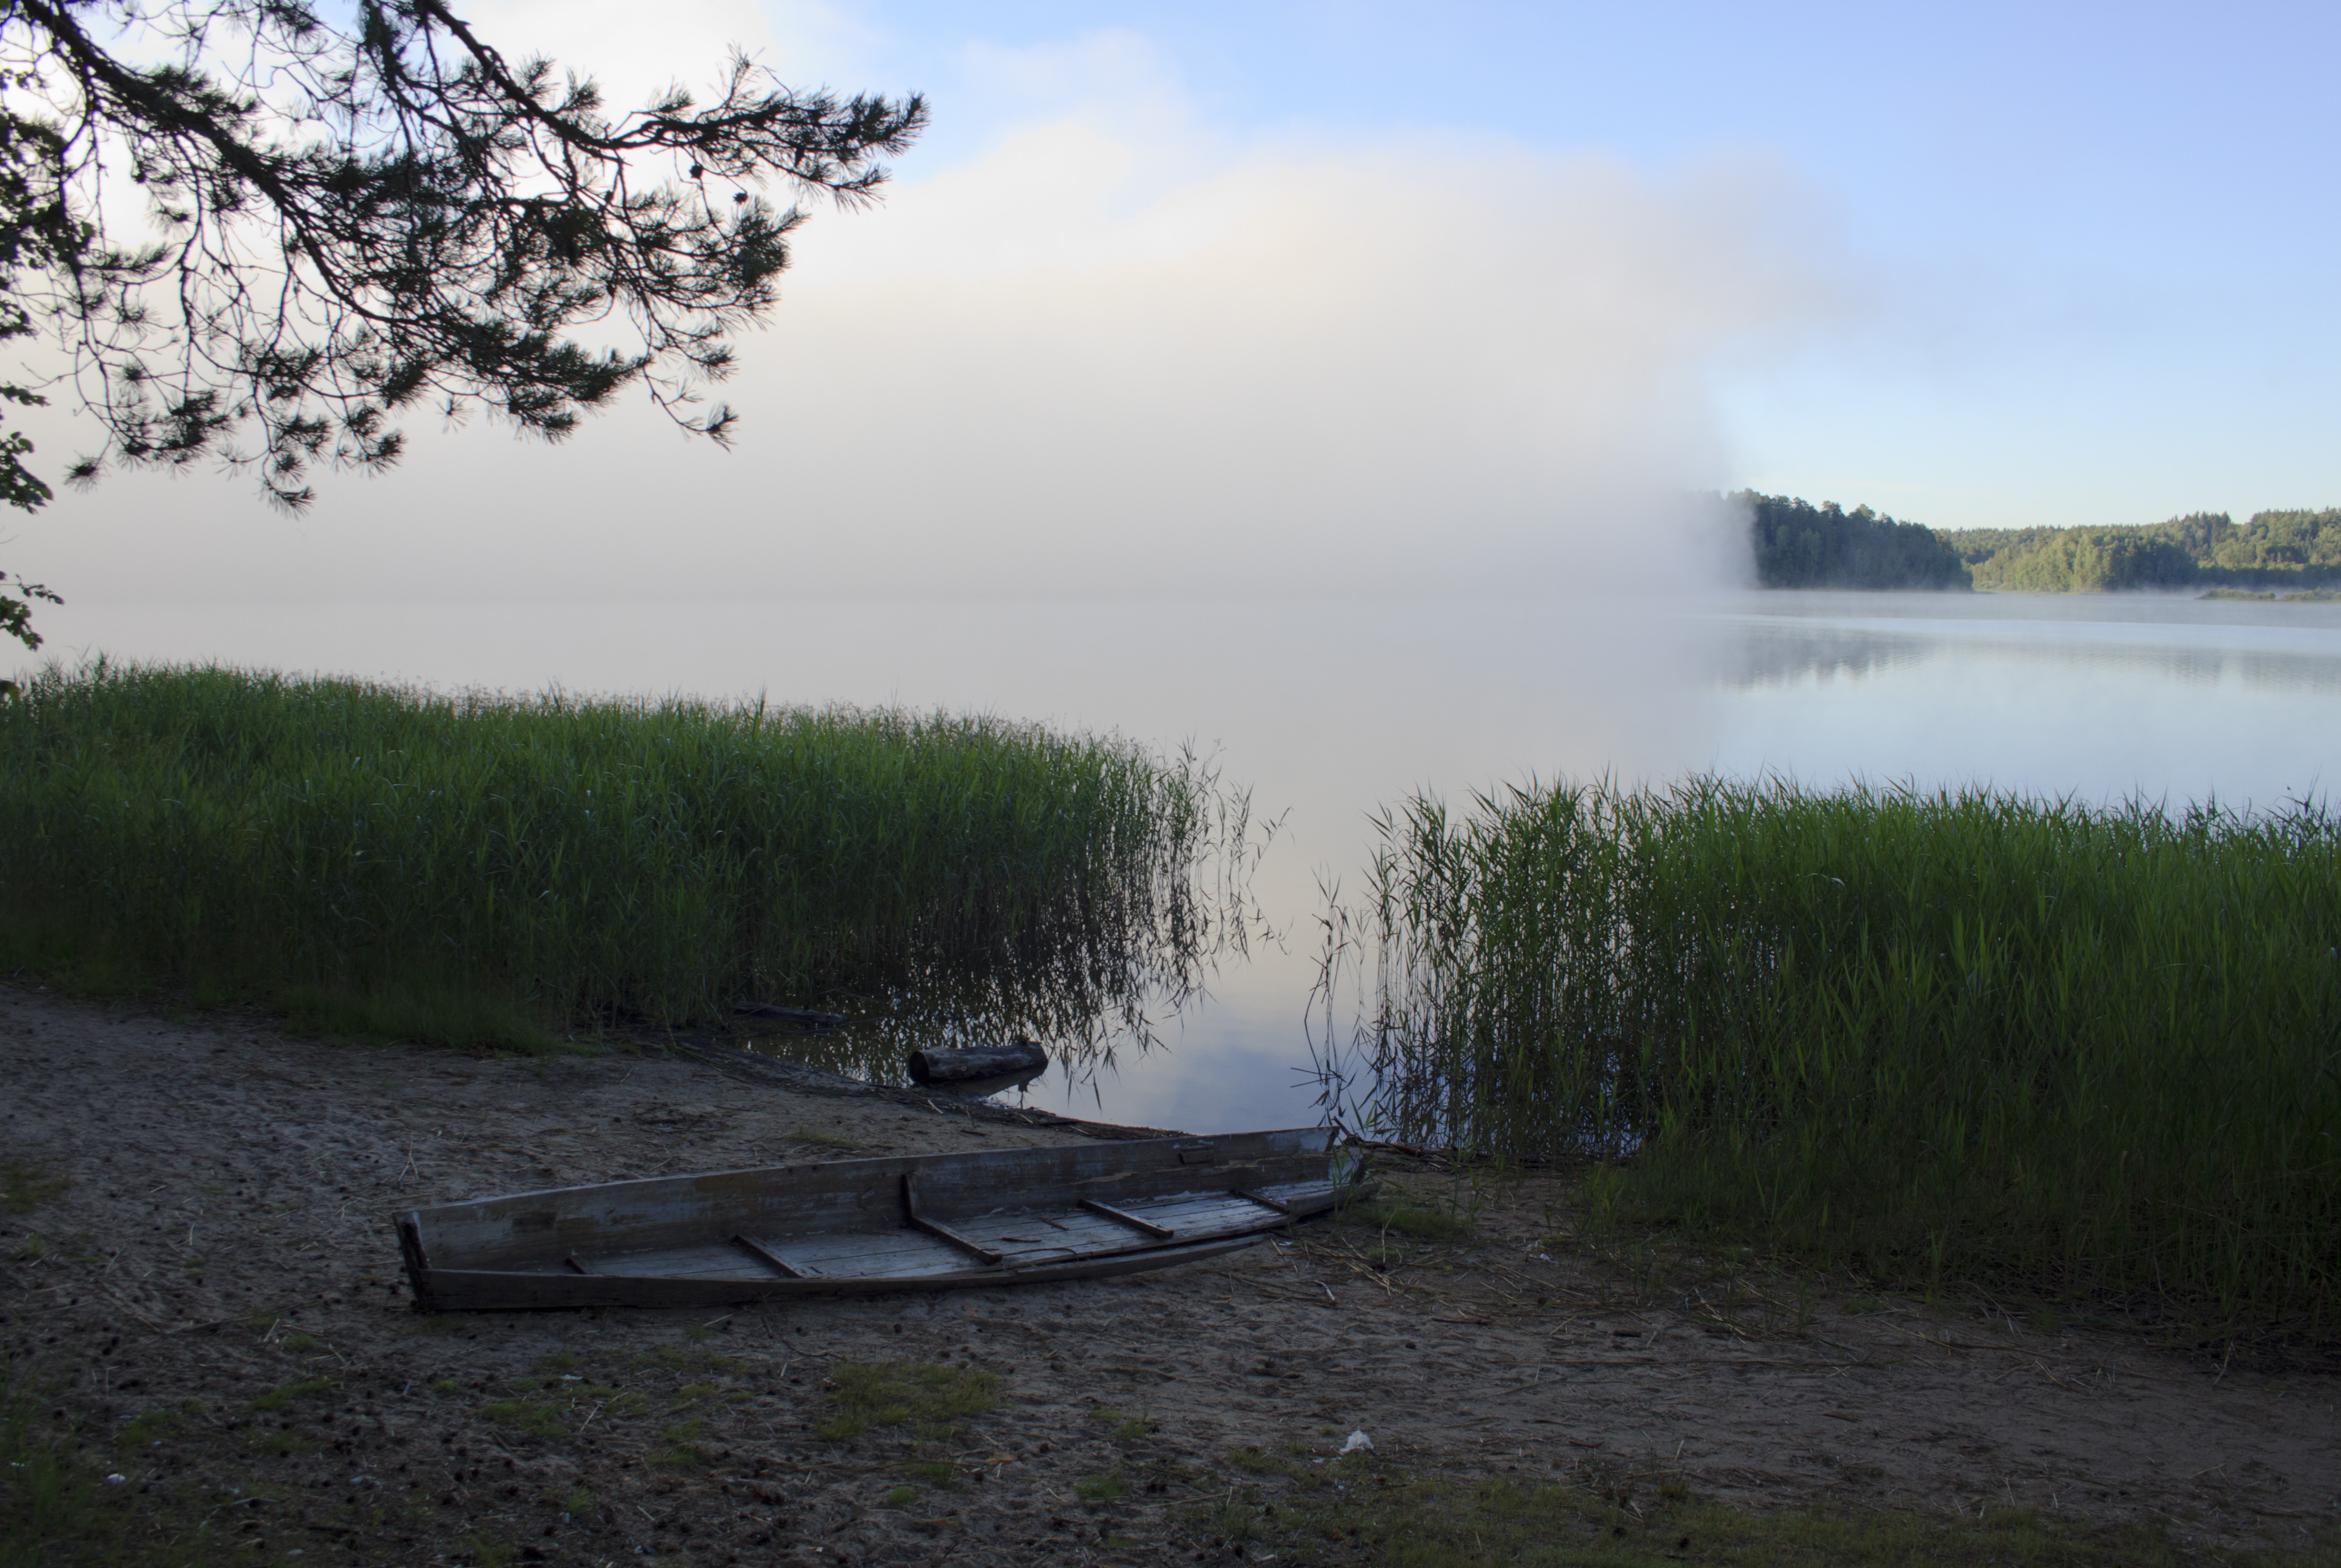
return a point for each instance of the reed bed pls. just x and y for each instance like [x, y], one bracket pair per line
[659, 860]
[1960, 1034]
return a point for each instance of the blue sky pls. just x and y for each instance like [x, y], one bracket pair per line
[2095, 242]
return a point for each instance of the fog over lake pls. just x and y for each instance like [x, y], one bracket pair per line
[1330, 709]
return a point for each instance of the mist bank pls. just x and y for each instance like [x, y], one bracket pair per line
[1091, 364]
[1798, 544]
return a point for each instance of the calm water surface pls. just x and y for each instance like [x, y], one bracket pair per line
[1330, 710]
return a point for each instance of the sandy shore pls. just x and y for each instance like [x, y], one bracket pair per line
[225, 1233]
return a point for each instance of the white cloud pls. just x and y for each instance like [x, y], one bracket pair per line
[1358, 368]
[1111, 355]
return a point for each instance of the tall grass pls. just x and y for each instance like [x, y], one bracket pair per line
[1969, 1034]
[663, 859]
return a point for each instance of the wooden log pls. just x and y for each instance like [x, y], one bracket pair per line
[1021, 1059]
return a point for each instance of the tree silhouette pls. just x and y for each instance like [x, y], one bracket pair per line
[355, 216]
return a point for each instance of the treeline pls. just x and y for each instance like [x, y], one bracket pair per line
[1800, 545]
[2283, 549]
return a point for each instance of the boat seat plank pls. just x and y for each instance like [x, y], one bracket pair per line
[890, 1254]
[1263, 1199]
[1019, 1245]
[1190, 1204]
[785, 1267]
[718, 1261]
[1297, 1193]
[1161, 1233]
[1070, 1228]
[915, 1211]
[1219, 1210]
[831, 1252]
[944, 1232]
[1065, 1230]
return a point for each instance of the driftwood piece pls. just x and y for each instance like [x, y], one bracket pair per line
[1022, 1059]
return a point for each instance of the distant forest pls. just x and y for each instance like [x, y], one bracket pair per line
[1800, 545]
[2278, 550]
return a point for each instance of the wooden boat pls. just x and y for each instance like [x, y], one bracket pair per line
[922, 1222]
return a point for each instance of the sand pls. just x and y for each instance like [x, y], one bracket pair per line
[226, 1232]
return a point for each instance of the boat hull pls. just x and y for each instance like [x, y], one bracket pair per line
[933, 1222]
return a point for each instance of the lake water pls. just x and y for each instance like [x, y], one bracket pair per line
[1329, 710]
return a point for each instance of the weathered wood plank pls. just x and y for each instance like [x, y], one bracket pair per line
[935, 1227]
[713, 1260]
[758, 1249]
[892, 1252]
[1264, 1200]
[1073, 1230]
[1187, 1214]
[1160, 1233]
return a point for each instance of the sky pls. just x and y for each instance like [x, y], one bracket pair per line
[1370, 299]
[2084, 248]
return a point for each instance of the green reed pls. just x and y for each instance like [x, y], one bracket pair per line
[1962, 1033]
[658, 859]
